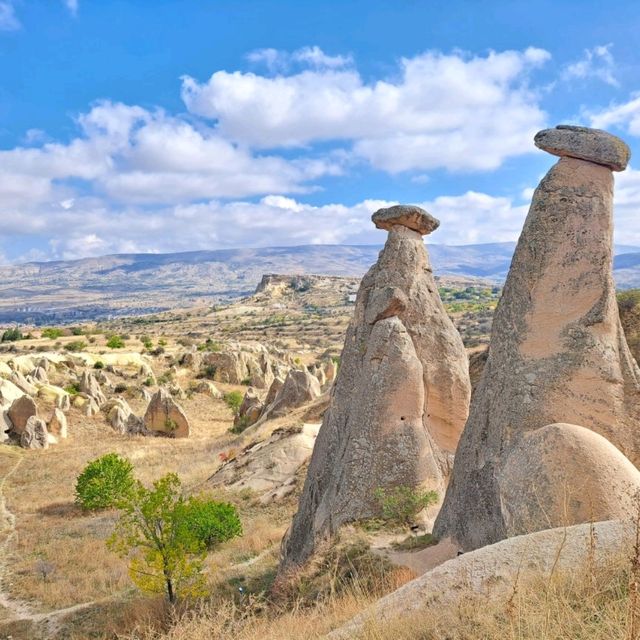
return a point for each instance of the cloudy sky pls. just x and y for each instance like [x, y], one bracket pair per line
[171, 125]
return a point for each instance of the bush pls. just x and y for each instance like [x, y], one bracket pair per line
[12, 335]
[121, 387]
[52, 333]
[73, 389]
[106, 482]
[212, 522]
[115, 342]
[98, 365]
[76, 331]
[233, 400]
[399, 505]
[75, 346]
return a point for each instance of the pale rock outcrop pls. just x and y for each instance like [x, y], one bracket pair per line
[274, 389]
[209, 389]
[495, 571]
[563, 474]
[21, 410]
[269, 467]
[39, 375]
[58, 424]
[165, 417]
[56, 395]
[299, 387]
[5, 370]
[400, 398]
[9, 392]
[5, 423]
[90, 386]
[558, 352]
[250, 409]
[35, 434]
[121, 418]
[23, 384]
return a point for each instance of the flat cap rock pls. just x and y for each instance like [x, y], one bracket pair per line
[406, 215]
[593, 145]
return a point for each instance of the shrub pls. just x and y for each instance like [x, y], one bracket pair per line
[105, 482]
[121, 387]
[75, 346]
[115, 342]
[73, 389]
[148, 382]
[52, 333]
[162, 342]
[158, 351]
[233, 400]
[98, 365]
[212, 522]
[76, 331]
[399, 505]
[12, 335]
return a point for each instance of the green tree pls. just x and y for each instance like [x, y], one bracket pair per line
[12, 335]
[233, 400]
[165, 535]
[105, 482]
[115, 342]
[212, 522]
[75, 346]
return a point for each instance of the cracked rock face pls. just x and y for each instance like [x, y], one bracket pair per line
[558, 353]
[400, 398]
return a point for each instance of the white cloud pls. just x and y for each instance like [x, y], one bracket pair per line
[625, 116]
[72, 5]
[595, 63]
[134, 155]
[453, 111]
[8, 18]
[281, 61]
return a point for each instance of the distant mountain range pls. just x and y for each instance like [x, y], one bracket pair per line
[63, 291]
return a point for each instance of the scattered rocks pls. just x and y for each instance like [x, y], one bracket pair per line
[20, 411]
[298, 388]
[58, 424]
[250, 409]
[35, 434]
[90, 386]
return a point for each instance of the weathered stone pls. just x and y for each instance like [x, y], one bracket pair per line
[593, 145]
[399, 401]
[9, 392]
[250, 409]
[408, 216]
[58, 424]
[558, 352]
[35, 434]
[90, 386]
[20, 411]
[39, 374]
[165, 417]
[299, 388]
[208, 388]
[23, 384]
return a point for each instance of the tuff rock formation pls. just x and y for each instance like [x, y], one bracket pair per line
[35, 434]
[165, 417]
[558, 355]
[21, 410]
[401, 395]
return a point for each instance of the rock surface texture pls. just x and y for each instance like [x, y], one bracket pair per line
[165, 417]
[558, 355]
[400, 398]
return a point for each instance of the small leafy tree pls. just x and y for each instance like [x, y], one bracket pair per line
[75, 346]
[12, 335]
[399, 505]
[233, 400]
[165, 535]
[115, 342]
[105, 482]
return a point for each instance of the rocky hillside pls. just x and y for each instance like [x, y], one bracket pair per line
[67, 291]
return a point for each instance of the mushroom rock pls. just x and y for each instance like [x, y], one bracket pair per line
[400, 398]
[558, 352]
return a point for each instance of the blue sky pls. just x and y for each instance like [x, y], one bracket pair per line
[175, 125]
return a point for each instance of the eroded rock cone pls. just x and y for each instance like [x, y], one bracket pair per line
[400, 398]
[558, 352]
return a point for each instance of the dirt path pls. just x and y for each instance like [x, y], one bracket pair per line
[16, 608]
